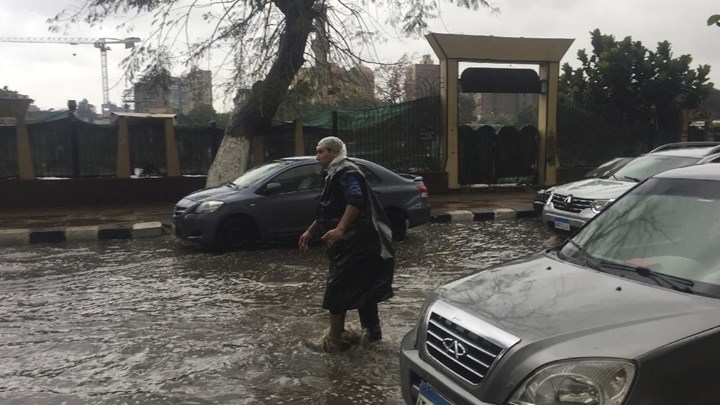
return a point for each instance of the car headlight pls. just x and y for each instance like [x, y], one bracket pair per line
[588, 382]
[208, 207]
[598, 205]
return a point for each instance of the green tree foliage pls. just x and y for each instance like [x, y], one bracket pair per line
[269, 43]
[86, 111]
[202, 114]
[626, 82]
[466, 109]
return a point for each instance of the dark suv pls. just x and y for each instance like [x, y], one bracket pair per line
[627, 311]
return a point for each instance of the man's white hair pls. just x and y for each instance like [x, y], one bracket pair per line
[336, 144]
[332, 143]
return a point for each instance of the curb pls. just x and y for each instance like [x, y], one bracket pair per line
[481, 215]
[15, 237]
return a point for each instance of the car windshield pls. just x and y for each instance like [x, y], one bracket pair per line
[668, 228]
[251, 176]
[649, 165]
[606, 169]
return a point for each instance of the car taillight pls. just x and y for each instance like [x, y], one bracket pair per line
[423, 190]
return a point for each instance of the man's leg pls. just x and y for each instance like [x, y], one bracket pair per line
[337, 324]
[370, 322]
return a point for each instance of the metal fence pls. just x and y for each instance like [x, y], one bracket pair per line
[586, 138]
[402, 137]
[72, 148]
[487, 156]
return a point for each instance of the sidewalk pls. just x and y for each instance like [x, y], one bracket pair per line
[57, 224]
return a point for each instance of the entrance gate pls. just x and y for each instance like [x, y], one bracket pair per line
[505, 156]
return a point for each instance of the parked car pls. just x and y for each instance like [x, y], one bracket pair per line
[570, 205]
[603, 171]
[278, 200]
[627, 311]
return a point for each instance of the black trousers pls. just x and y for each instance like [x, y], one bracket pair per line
[369, 317]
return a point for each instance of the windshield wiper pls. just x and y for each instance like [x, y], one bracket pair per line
[674, 282]
[230, 184]
[632, 178]
[589, 260]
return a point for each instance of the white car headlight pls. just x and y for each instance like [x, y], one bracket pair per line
[208, 207]
[598, 205]
[587, 382]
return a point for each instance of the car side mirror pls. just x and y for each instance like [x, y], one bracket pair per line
[271, 188]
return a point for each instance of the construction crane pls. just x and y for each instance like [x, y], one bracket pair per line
[100, 43]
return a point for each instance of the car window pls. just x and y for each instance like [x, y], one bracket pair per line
[371, 177]
[258, 173]
[649, 165]
[671, 226]
[299, 178]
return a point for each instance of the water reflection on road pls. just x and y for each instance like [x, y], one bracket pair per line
[149, 321]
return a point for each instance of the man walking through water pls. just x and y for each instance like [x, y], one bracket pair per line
[358, 245]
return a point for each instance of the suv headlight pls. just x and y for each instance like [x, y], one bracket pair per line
[588, 382]
[598, 205]
[208, 207]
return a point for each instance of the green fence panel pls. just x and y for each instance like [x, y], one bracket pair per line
[8, 152]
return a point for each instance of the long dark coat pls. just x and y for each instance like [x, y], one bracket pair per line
[362, 262]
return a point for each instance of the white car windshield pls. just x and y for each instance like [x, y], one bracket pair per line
[650, 165]
[666, 226]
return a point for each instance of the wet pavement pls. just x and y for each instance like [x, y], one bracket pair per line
[151, 321]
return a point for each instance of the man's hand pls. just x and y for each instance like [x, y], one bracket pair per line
[332, 236]
[304, 241]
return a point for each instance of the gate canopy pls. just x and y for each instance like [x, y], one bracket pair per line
[481, 48]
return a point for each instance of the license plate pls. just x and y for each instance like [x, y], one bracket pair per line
[428, 396]
[562, 223]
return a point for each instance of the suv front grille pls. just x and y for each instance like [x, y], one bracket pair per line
[574, 205]
[463, 352]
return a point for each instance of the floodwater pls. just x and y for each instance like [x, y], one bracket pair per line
[149, 321]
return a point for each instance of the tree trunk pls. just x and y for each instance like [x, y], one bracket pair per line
[254, 119]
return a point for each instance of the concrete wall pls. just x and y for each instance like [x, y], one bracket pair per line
[95, 191]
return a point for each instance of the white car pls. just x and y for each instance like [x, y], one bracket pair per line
[570, 205]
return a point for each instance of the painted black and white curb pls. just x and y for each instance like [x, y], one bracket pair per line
[14, 237]
[481, 215]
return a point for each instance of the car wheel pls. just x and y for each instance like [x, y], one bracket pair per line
[238, 233]
[398, 224]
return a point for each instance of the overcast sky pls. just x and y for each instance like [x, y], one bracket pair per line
[53, 73]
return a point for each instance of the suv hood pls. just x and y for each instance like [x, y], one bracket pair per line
[566, 308]
[595, 188]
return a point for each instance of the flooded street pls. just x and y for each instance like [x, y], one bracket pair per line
[149, 321]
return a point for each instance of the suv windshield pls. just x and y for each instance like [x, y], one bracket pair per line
[258, 172]
[650, 165]
[664, 227]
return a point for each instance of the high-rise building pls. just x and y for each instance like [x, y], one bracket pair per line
[422, 79]
[180, 95]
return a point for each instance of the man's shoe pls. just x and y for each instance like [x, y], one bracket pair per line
[372, 334]
[328, 344]
[332, 345]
